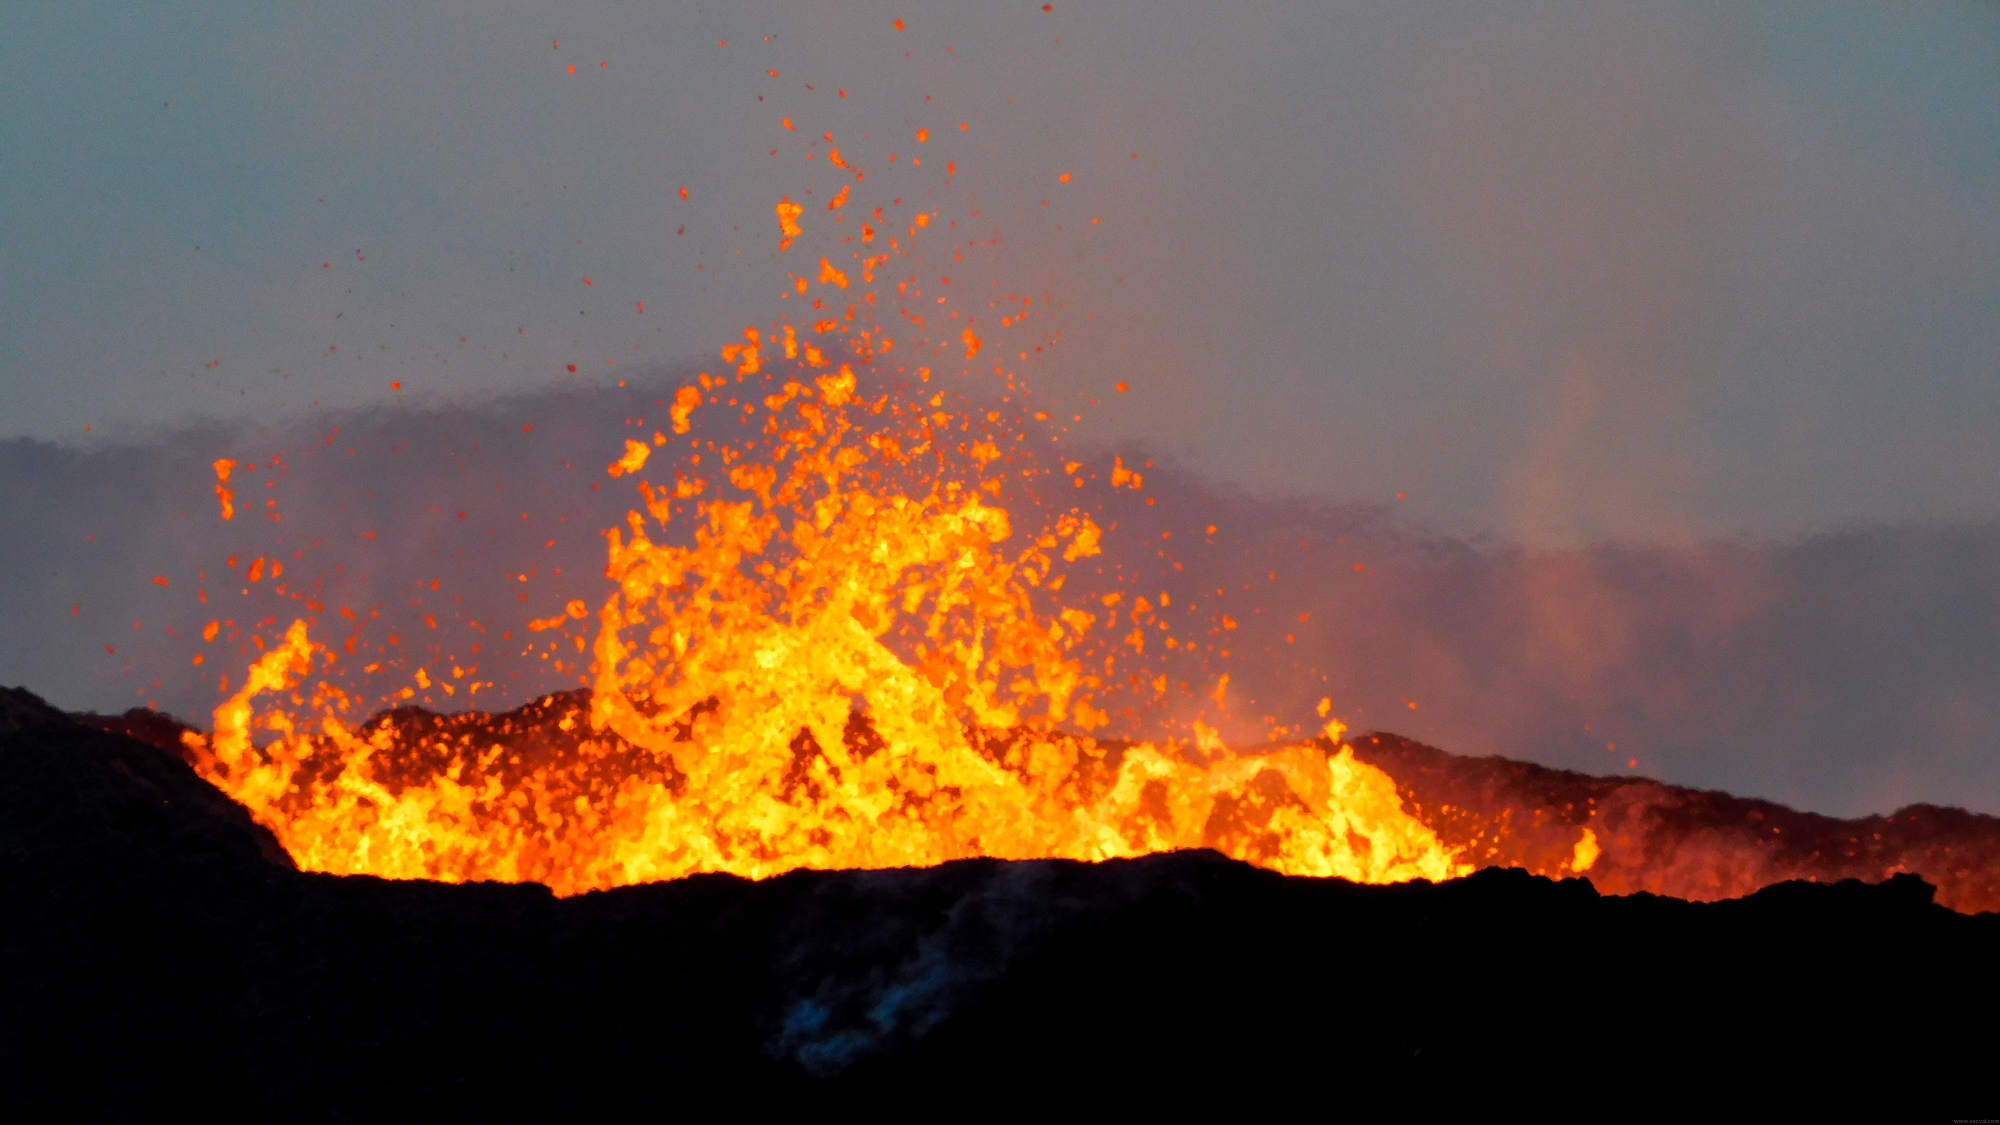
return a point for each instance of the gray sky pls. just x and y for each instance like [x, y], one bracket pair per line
[1556, 271]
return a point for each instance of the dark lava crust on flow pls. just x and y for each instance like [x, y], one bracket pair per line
[158, 950]
[1688, 843]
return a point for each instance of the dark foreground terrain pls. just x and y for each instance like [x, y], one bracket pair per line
[157, 948]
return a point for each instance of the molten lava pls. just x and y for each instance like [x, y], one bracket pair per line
[752, 712]
[840, 655]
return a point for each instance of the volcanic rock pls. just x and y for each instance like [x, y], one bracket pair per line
[157, 952]
[1688, 843]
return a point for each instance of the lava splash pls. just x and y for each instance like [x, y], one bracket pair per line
[835, 669]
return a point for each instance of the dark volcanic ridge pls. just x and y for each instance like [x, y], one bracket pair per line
[1699, 845]
[1695, 844]
[156, 947]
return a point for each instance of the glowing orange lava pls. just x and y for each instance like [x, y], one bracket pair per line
[841, 664]
[750, 715]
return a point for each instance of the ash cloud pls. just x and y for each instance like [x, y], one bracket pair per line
[416, 534]
[1845, 672]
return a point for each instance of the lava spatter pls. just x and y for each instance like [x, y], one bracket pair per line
[828, 646]
[829, 675]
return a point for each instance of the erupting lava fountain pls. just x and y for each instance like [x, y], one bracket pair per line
[832, 644]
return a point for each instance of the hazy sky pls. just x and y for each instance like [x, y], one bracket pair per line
[1557, 271]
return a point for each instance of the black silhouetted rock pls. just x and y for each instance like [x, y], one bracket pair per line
[155, 954]
[154, 728]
